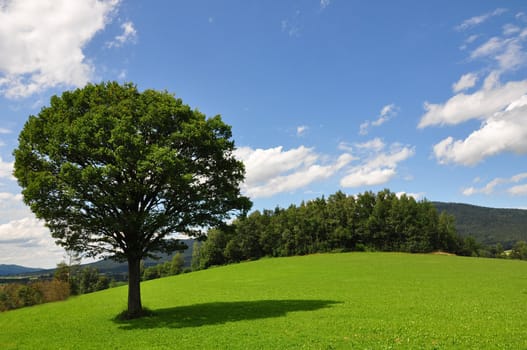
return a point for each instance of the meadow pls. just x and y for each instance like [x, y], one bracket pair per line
[326, 301]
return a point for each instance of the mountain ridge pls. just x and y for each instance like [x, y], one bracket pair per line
[488, 225]
[12, 269]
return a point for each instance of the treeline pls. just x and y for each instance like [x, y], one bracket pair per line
[168, 268]
[17, 295]
[368, 221]
[67, 280]
[81, 280]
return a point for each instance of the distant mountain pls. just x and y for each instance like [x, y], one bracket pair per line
[488, 225]
[111, 268]
[9, 270]
[116, 269]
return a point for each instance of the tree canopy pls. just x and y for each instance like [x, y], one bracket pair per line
[117, 172]
[367, 221]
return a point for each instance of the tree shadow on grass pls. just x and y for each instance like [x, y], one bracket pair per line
[221, 312]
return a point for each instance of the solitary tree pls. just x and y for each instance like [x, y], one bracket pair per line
[116, 172]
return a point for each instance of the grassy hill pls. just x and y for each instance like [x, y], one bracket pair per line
[331, 301]
[488, 225]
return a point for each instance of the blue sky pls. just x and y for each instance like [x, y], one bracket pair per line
[427, 98]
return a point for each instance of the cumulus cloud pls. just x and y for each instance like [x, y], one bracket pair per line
[491, 186]
[28, 242]
[24, 239]
[387, 112]
[476, 20]
[129, 35]
[504, 131]
[501, 107]
[377, 164]
[478, 105]
[324, 3]
[465, 82]
[45, 41]
[12, 207]
[275, 170]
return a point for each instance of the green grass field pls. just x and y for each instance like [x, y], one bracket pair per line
[333, 301]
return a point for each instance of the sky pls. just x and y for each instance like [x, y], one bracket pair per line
[426, 98]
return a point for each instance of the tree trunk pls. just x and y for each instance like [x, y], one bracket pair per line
[135, 308]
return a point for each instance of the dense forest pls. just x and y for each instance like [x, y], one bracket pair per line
[489, 226]
[368, 221]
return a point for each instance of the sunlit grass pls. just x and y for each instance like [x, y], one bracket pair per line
[334, 301]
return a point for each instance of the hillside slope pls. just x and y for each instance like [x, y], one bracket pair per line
[488, 225]
[324, 301]
[8, 270]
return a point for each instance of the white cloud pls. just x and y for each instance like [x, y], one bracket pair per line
[520, 190]
[272, 171]
[5, 131]
[24, 239]
[6, 170]
[129, 35]
[324, 3]
[490, 47]
[476, 20]
[491, 186]
[301, 130]
[465, 82]
[363, 128]
[45, 41]
[510, 29]
[468, 41]
[377, 165]
[504, 131]
[480, 104]
[375, 145]
[344, 146]
[28, 242]
[12, 207]
[416, 196]
[507, 52]
[387, 112]
[487, 189]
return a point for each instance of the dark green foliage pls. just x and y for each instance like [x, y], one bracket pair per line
[169, 268]
[369, 221]
[90, 280]
[116, 172]
[519, 251]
